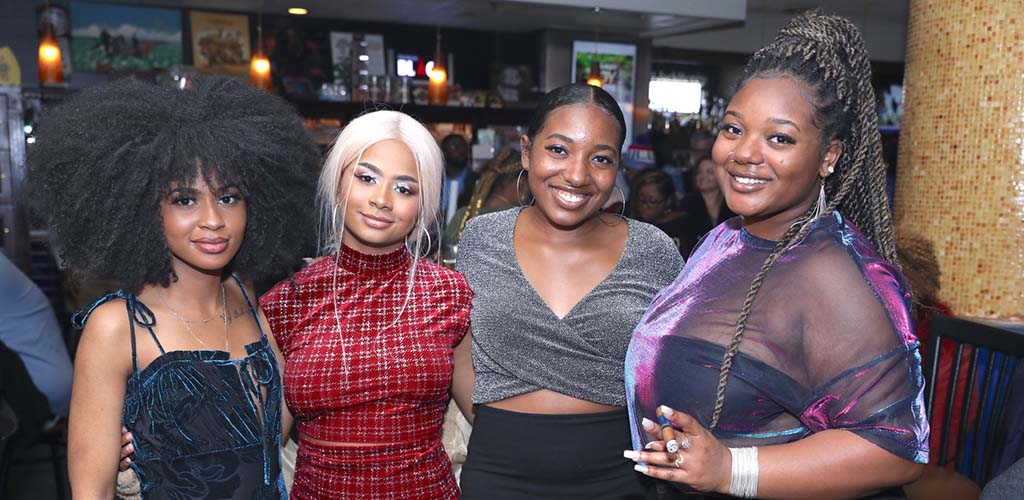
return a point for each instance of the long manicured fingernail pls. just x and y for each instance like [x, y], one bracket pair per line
[632, 455]
[649, 445]
[640, 468]
[667, 411]
[130, 449]
[647, 423]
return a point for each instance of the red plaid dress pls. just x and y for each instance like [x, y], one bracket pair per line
[366, 364]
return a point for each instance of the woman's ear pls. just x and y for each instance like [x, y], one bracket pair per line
[831, 158]
[524, 146]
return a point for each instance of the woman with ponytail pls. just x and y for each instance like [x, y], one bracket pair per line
[781, 362]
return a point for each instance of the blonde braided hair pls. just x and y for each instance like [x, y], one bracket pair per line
[508, 161]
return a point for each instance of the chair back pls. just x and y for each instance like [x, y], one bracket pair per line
[969, 368]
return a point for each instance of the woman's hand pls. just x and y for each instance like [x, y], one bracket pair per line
[701, 462]
[126, 449]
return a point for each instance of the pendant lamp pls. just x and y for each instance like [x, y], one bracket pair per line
[437, 89]
[259, 66]
[51, 69]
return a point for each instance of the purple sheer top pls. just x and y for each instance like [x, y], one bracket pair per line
[828, 343]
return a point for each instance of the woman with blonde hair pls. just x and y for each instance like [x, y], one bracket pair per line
[368, 333]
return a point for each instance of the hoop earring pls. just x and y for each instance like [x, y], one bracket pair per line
[519, 197]
[622, 212]
[409, 248]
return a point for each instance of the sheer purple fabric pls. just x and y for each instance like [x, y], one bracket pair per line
[828, 343]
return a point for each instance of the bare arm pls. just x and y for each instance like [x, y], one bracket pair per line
[829, 464]
[464, 380]
[102, 367]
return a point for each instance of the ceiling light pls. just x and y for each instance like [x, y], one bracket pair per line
[298, 11]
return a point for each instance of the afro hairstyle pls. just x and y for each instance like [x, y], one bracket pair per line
[105, 159]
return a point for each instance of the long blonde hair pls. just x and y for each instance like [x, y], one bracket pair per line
[348, 149]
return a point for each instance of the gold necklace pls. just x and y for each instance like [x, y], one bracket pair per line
[224, 313]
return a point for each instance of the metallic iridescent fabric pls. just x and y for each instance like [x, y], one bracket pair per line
[828, 344]
[204, 425]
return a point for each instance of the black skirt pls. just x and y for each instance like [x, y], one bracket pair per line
[519, 456]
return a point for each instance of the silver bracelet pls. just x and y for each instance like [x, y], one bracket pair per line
[744, 472]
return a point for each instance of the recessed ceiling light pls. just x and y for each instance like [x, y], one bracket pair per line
[298, 11]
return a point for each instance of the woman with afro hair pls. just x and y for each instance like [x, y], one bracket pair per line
[781, 362]
[181, 197]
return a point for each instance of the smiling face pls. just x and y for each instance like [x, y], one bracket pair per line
[769, 153]
[383, 198]
[203, 228]
[572, 162]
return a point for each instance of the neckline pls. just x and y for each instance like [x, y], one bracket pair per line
[358, 262]
[765, 244]
[219, 355]
[630, 227]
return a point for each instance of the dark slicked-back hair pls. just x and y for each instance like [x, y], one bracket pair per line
[104, 160]
[826, 55]
[576, 93]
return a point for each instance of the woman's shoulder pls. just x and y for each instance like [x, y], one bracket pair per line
[106, 322]
[431, 273]
[294, 284]
[490, 223]
[653, 246]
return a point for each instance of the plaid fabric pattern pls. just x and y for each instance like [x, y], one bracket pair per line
[365, 365]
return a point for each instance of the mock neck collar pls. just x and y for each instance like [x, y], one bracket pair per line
[359, 262]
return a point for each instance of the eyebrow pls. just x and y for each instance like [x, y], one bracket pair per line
[783, 121]
[377, 170]
[570, 141]
[777, 121]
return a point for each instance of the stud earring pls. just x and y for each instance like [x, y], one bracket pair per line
[831, 169]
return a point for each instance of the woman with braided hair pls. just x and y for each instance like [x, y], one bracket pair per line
[781, 362]
[500, 187]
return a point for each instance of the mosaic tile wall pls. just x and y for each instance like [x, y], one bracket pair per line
[960, 177]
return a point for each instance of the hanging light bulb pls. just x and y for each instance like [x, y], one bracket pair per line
[437, 88]
[595, 78]
[259, 66]
[51, 69]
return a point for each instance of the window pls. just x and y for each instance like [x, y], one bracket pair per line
[675, 96]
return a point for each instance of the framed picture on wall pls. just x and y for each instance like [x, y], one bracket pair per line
[220, 42]
[113, 38]
[617, 63]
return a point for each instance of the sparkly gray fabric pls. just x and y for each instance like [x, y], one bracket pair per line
[520, 345]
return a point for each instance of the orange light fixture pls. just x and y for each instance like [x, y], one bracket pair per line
[259, 65]
[51, 69]
[259, 71]
[437, 87]
[595, 78]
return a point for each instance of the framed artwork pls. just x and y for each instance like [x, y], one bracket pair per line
[618, 72]
[220, 42]
[113, 38]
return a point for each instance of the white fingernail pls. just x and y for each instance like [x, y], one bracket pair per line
[666, 411]
[640, 468]
[632, 455]
[648, 424]
[649, 445]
